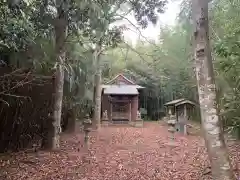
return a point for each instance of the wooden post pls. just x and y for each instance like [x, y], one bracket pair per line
[185, 119]
[134, 108]
[175, 113]
[130, 111]
[177, 120]
[111, 111]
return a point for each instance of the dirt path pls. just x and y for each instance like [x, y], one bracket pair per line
[123, 153]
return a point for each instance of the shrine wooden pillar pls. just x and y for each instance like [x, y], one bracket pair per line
[109, 109]
[104, 104]
[185, 119]
[134, 108]
[110, 114]
[130, 110]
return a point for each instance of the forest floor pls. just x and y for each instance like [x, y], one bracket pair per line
[119, 152]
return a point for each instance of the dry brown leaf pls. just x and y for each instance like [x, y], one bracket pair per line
[123, 153]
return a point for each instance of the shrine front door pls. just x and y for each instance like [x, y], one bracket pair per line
[120, 111]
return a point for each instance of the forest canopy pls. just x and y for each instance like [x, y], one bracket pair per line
[56, 54]
[164, 67]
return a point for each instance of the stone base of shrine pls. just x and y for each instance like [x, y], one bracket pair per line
[138, 123]
[105, 123]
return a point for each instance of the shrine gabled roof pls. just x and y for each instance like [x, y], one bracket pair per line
[124, 77]
[104, 86]
[178, 102]
[121, 90]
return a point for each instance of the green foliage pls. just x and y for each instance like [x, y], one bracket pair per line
[16, 30]
[145, 10]
[27, 36]
[225, 28]
[164, 69]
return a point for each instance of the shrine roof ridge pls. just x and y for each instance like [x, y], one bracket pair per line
[121, 90]
[124, 77]
[104, 86]
[178, 102]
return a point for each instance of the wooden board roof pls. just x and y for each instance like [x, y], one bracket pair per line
[178, 102]
[122, 76]
[121, 90]
[105, 86]
[128, 87]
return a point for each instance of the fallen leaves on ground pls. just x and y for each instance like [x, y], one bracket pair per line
[118, 152]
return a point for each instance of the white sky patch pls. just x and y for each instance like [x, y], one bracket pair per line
[151, 32]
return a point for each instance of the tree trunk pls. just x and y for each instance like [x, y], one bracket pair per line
[213, 134]
[60, 33]
[98, 89]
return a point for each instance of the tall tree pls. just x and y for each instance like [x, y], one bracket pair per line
[98, 92]
[144, 11]
[63, 16]
[213, 133]
[108, 38]
[60, 26]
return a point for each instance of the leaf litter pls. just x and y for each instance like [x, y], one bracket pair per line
[124, 153]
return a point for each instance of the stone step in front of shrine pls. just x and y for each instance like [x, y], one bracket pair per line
[138, 123]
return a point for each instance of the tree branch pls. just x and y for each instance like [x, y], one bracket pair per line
[138, 30]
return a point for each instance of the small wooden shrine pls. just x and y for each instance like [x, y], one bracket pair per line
[182, 109]
[120, 102]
